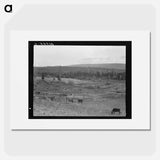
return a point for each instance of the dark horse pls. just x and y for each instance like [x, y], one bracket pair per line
[116, 110]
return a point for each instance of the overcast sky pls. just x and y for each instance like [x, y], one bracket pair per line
[50, 55]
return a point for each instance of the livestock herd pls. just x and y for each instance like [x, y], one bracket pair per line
[68, 99]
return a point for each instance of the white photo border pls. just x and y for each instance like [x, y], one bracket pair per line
[19, 64]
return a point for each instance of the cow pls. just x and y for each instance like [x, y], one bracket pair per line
[80, 100]
[52, 98]
[69, 99]
[72, 98]
[37, 92]
[116, 110]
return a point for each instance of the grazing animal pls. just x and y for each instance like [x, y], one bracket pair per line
[37, 92]
[80, 100]
[116, 110]
[72, 98]
[69, 99]
[52, 98]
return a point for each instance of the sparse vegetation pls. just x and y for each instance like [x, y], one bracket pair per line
[100, 89]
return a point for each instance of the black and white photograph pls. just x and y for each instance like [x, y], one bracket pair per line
[80, 79]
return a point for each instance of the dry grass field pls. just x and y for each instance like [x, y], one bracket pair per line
[75, 97]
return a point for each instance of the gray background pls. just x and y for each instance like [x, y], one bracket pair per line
[79, 17]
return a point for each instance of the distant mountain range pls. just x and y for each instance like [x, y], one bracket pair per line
[120, 66]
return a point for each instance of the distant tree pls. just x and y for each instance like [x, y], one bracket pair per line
[42, 76]
[98, 74]
[59, 77]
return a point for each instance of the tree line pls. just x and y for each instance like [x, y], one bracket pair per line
[87, 75]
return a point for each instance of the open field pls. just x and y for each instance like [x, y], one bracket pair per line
[78, 97]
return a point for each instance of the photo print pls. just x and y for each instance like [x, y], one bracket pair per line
[80, 79]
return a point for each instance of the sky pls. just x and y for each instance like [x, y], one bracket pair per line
[50, 55]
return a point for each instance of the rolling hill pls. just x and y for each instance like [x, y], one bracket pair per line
[120, 66]
[92, 68]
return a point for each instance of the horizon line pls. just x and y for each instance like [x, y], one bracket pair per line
[77, 64]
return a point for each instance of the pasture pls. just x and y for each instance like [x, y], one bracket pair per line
[78, 97]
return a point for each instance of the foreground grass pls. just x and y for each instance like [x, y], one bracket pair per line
[100, 97]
